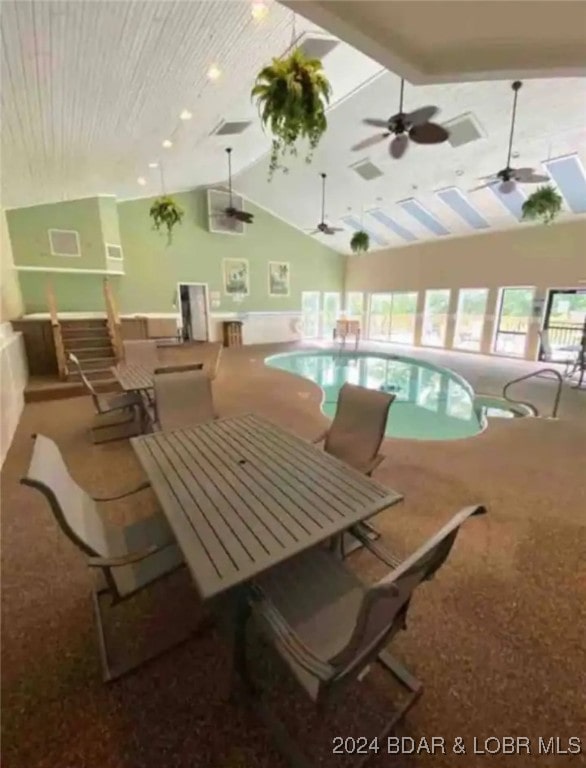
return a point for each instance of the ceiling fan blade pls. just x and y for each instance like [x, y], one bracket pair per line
[484, 186]
[529, 176]
[313, 231]
[398, 146]
[375, 122]
[370, 141]
[506, 187]
[421, 115]
[428, 133]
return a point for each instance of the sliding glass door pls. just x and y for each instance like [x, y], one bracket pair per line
[514, 317]
[470, 318]
[355, 306]
[435, 318]
[310, 306]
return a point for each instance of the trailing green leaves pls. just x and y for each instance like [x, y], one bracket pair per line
[360, 242]
[544, 204]
[165, 211]
[292, 95]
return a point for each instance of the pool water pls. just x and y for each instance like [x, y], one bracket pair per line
[431, 403]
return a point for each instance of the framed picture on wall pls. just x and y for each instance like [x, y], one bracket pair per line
[279, 278]
[236, 277]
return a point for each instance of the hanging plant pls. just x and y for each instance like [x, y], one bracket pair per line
[165, 211]
[292, 95]
[360, 242]
[545, 204]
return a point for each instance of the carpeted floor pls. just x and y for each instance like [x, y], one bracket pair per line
[498, 638]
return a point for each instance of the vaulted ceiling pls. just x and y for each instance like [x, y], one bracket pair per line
[90, 91]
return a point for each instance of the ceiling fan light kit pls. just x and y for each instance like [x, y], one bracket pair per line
[292, 95]
[544, 205]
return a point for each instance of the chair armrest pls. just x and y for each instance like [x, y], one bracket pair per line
[284, 634]
[320, 438]
[143, 486]
[372, 465]
[117, 562]
[380, 552]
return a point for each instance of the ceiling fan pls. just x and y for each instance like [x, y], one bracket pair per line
[231, 212]
[322, 227]
[509, 177]
[414, 125]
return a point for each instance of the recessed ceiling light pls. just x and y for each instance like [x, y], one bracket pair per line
[214, 72]
[459, 172]
[186, 115]
[153, 165]
[379, 199]
[515, 154]
[259, 10]
[167, 143]
[142, 181]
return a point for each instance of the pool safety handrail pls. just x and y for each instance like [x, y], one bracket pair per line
[557, 375]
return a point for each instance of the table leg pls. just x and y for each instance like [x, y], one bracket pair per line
[239, 659]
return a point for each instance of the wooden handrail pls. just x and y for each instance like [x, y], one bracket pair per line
[114, 326]
[57, 334]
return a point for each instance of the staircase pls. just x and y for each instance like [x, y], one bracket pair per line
[90, 341]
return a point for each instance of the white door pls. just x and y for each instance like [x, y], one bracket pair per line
[197, 302]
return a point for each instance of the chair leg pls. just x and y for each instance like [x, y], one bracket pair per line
[112, 672]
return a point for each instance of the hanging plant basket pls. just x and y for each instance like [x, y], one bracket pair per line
[292, 95]
[165, 212]
[544, 204]
[360, 242]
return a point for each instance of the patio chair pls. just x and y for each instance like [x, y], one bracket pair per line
[141, 352]
[117, 417]
[355, 437]
[329, 627]
[127, 559]
[183, 399]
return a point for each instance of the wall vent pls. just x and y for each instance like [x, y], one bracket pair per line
[218, 222]
[316, 46]
[366, 170]
[64, 242]
[464, 129]
[113, 251]
[231, 127]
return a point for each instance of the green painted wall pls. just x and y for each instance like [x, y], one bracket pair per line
[28, 229]
[153, 268]
[108, 207]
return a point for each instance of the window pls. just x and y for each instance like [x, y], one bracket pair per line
[310, 301]
[331, 313]
[435, 318]
[392, 317]
[565, 319]
[515, 312]
[403, 312]
[379, 324]
[355, 305]
[470, 318]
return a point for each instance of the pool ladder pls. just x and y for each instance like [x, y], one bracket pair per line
[539, 373]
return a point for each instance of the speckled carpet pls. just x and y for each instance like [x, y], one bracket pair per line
[498, 638]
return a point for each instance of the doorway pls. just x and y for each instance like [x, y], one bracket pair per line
[565, 321]
[193, 303]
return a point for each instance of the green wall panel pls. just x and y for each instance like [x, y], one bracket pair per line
[74, 293]
[154, 268]
[28, 229]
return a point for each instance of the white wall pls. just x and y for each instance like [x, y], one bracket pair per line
[260, 327]
[13, 378]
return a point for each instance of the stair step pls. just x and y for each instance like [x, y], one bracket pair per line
[83, 324]
[84, 333]
[80, 342]
[90, 364]
[64, 389]
[84, 353]
[93, 374]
